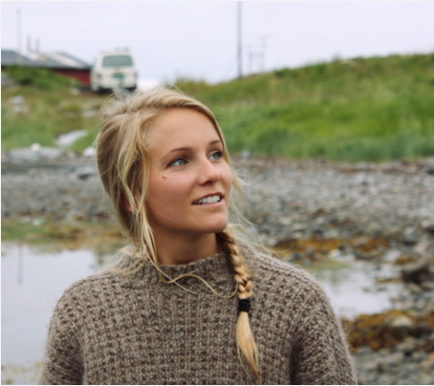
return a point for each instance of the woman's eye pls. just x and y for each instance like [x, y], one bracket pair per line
[178, 162]
[216, 155]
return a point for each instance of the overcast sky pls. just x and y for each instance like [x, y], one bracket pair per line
[199, 39]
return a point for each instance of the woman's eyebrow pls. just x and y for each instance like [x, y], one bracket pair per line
[189, 148]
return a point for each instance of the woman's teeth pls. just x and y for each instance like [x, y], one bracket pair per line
[208, 200]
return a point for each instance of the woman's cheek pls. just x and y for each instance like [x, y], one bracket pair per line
[227, 176]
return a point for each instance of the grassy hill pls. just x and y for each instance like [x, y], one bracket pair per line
[361, 109]
[364, 109]
[42, 105]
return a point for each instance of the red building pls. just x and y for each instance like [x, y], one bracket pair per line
[59, 62]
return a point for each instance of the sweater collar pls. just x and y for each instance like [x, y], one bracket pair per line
[214, 269]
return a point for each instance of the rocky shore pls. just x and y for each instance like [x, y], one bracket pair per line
[310, 211]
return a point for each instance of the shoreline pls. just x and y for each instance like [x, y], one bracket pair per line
[308, 210]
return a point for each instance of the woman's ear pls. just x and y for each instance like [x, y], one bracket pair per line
[127, 205]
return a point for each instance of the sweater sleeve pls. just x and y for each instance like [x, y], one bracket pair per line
[62, 362]
[320, 353]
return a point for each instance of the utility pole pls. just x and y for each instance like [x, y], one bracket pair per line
[240, 67]
[18, 38]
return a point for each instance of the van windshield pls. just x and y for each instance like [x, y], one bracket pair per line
[117, 61]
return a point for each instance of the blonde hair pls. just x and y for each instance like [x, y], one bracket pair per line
[123, 165]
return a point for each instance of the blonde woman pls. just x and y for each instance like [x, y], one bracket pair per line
[187, 303]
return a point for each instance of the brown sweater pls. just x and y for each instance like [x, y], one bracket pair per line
[134, 329]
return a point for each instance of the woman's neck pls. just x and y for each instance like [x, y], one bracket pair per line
[184, 249]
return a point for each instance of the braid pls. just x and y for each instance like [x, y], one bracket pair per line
[245, 341]
[243, 275]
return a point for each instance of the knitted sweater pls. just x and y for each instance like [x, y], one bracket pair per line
[134, 329]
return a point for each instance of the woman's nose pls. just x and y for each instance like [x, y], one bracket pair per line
[208, 173]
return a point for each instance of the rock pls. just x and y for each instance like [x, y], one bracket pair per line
[361, 179]
[422, 328]
[427, 286]
[85, 172]
[331, 234]
[298, 227]
[373, 229]
[392, 360]
[428, 226]
[310, 253]
[402, 325]
[394, 233]
[410, 236]
[391, 255]
[89, 152]
[285, 221]
[414, 288]
[6, 81]
[421, 247]
[19, 105]
[407, 346]
[35, 153]
[428, 365]
[416, 273]
[359, 241]
[334, 253]
[297, 235]
[245, 155]
[419, 356]
[271, 242]
[35, 147]
[74, 91]
[429, 343]
[67, 139]
[365, 255]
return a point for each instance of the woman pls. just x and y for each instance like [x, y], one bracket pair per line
[186, 303]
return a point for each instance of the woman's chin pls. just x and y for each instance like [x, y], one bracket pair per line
[215, 227]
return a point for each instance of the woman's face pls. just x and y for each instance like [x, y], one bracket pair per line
[187, 165]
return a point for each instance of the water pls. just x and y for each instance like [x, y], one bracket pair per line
[32, 282]
[352, 289]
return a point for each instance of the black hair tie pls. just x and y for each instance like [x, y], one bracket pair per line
[244, 305]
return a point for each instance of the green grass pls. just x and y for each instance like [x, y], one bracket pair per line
[25, 231]
[372, 109]
[50, 114]
[364, 109]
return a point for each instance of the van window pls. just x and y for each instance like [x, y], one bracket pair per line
[117, 61]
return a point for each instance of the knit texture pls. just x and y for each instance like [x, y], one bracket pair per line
[134, 329]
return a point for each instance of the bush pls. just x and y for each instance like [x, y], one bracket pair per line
[39, 77]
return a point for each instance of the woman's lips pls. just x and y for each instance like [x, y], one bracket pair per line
[213, 205]
[209, 197]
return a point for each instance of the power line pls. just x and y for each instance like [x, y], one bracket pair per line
[240, 71]
[256, 54]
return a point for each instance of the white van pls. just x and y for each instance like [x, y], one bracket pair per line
[115, 69]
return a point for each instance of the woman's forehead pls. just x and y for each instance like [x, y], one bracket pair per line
[180, 126]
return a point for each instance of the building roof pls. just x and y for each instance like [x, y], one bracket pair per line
[42, 60]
